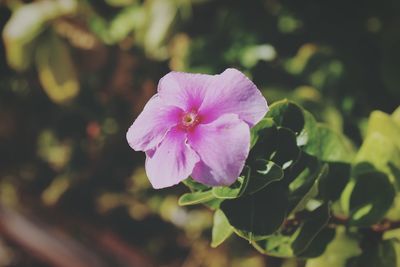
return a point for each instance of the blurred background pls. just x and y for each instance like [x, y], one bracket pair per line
[75, 74]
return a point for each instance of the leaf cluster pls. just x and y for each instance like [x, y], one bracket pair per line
[305, 186]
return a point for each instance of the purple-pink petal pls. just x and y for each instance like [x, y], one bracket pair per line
[198, 125]
[152, 124]
[223, 146]
[233, 92]
[172, 161]
[184, 90]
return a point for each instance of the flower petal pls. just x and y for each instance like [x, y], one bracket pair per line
[233, 92]
[171, 162]
[223, 147]
[152, 124]
[184, 90]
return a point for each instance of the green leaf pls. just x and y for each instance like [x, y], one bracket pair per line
[371, 197]
[265, 144]
[286, 151]
[310, 227]
[318, 245]
[287, 114]
[221, 229]
[130, 19]
[261, 213]
[254, 132]
[226, 192]
[382, 143]
[158, 27]
[296, 173]
[56, 69]
[382, 254]
[361, 168]
[396, 116]
[332, 185]
[379, 150]
[337, 252]
[396, 173]
[195, 186]
[277, 145]
[396, 245]
[276, 245]
[195, 198]
[250, 55]
[392, 234]
[309, 138]
[264, 173]
[120, 3]
[235, 190]
[394, 212]
[249, 235]
[335, 147]
[394, 237]
[213, 204]
[26, 24]
[380, 122]
[305, 187]
[280, 243]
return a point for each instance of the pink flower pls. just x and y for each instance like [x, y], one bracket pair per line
[198, 125]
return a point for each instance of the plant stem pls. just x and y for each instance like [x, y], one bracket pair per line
[383, 226]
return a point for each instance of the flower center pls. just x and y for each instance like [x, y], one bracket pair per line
[190, 119]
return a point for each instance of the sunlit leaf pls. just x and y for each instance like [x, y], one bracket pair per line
[371, 197]
[252, 54]
[195, 186]
[221, 229]
[309, 138]
[379, 254]
[214, 203]
[26, 23]
[396, 116]
[195, 198]
[130, 19]
[337, 252]
[383, 123]
[392, 234]
[276, 245]
[297, 64]
[119, 3]
[56, 70]
[382, 143]
[335, 147]
[160, 18]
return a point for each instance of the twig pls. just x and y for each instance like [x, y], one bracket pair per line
[381, 227]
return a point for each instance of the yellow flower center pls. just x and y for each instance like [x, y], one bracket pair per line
[190, 119]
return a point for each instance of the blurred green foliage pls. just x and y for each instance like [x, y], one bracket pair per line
[74, 74]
